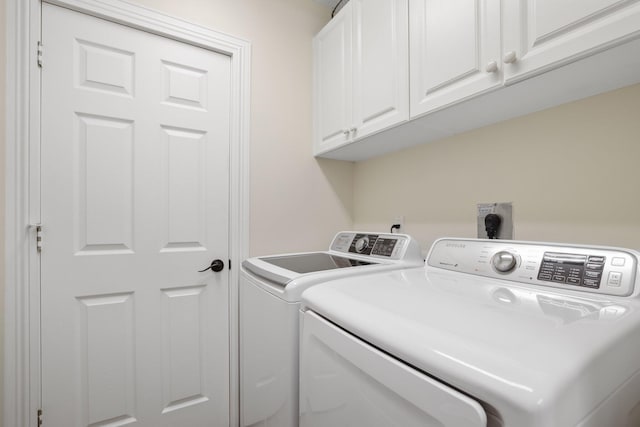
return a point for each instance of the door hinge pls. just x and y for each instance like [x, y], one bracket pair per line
[40, 54]
[39, 417]
[39, 238]
[38, 228]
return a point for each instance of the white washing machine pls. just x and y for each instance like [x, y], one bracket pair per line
[488, 333]
[270, 289]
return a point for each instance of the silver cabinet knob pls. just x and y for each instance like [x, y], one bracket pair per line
[510, 57]
[504, 261]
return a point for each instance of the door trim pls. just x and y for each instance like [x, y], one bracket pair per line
[22, 386]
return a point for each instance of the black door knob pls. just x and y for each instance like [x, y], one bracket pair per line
[216, 265]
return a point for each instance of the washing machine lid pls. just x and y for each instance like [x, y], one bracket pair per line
[283, 269]
[539, 357]
[313, 262]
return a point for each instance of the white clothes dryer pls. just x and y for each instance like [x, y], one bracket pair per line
[488, 333]
[270, 289]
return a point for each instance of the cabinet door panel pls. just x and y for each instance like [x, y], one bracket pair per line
[452, 43]
[452, 56]
[381, 73]
[556, 16]
[545, 34]
[332, 84]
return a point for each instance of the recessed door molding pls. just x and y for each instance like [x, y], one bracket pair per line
[22, 177]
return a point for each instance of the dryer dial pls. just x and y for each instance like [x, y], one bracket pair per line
[504, 261]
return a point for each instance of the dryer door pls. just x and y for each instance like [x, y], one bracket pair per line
[345, 381]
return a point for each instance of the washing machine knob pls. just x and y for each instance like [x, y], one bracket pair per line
[362, 244]
[504, 261]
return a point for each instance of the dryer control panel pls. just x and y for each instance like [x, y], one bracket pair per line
[574, 269]
[603, 270]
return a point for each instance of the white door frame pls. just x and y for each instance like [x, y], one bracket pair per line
[22, 387]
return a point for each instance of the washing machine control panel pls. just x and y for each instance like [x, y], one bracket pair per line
[604, 270]
[385, 245]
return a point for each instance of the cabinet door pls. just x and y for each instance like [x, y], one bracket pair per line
[381, 65]
[455, 51]
[332, 83]
[544, 34]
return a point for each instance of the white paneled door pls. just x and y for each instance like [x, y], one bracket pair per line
[135, 200]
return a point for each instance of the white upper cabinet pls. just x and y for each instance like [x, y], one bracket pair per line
[390, 74]
[543, 34]
[455, 51]
[332, 83]
[381, 65]
[361, 75]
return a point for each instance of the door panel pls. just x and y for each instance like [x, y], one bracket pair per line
[104, 152]
[380, 68]
[107, 362]
[183, 169]
[135, 194]
[104, 68]
[183, 313]
[458, 33]
[541, 35]
[184, 86]
[452, 44]
[552, 16]
[332, 85]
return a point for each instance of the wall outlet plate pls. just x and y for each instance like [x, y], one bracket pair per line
[398, 219]
[505, 211]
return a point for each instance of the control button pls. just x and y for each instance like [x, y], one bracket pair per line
[592, 266]
[593, 274]
[560, 279]
[545, 277]
[615, 278]
[598, 259]
[617, 262]
[573, 281]
[591, 283]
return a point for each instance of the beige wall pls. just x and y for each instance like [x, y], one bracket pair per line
[297, 202]
[572, 173]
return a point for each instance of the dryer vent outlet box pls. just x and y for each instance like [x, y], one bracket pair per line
[504, 211]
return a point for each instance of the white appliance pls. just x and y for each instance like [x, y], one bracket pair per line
[270, 289]
[488, 333]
